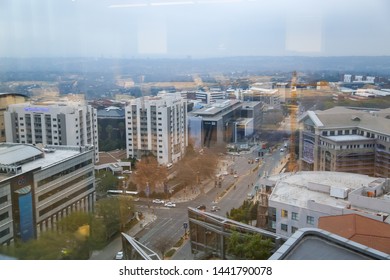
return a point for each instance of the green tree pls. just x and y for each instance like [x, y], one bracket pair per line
[87, 228]
[249, 246]
[107, 181]
[76, 236]
[245, 213]
[115, 213]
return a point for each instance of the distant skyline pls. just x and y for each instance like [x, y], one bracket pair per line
[193, 28]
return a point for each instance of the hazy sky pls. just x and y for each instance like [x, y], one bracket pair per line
[197, 28]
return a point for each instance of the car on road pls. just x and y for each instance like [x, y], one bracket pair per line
[235, 176]
[158, 201]
[119, 255]
[282, 150]
[170, 204]
[201, 207]
[215, 208]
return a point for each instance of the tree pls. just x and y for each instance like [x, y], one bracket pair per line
[149, 172]
[249, 246]
[75, 237]
[107, 182]
[115, 213]
[245, 213]
[196, 166]
[86, 227]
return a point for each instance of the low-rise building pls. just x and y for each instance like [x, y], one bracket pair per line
[346, 140]
[40, 186]
[299, 199]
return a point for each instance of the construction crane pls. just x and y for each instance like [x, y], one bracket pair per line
[293, 108]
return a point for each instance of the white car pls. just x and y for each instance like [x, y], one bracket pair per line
[158, 201]
[119, 255]
[170, 204]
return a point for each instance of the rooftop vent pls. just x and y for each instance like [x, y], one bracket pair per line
[355, 118]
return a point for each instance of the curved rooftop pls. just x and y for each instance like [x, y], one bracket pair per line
[17, 154]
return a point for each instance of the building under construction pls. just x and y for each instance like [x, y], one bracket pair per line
[346, 140]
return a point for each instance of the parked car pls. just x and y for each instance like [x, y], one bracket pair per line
[282, 149]
[119, 255]
[170, 204]
[201, 207]
[215, 208]
[158, 201]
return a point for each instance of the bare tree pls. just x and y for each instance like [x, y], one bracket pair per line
[149, 173]
[197, 166]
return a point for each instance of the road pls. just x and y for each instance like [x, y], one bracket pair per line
[167, 229]
[163, 233]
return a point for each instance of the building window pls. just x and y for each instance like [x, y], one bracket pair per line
[284, 213]
[4, 232]
[3, 199]
[294, 216]
[283, 227]
[310, 220]
[293, 229]
[4, 216]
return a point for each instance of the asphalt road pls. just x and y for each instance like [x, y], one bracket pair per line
[163, 233]
[167, 229]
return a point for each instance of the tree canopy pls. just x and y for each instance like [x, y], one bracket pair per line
[249, 246]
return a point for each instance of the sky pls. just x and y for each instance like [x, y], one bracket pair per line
[193, 28]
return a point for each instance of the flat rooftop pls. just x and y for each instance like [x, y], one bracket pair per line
[51, 158]
[30, 157]
[292, 188]
[342, 138]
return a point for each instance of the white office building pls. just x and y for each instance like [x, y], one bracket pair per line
[157, 125]
[299, 199]
[40, 186]
[52, 123]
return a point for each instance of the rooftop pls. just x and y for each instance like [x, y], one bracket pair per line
[342, 138]
[346, 117]
[293, 188]
[217, 108]
[111, 112]
[364, 230]
[317, 244]
[30, 157]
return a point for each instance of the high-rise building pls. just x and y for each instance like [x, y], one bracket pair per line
[52, 123]
[157, 125]
[40, 186]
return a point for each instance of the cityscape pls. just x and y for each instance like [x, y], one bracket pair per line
[160, 150]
